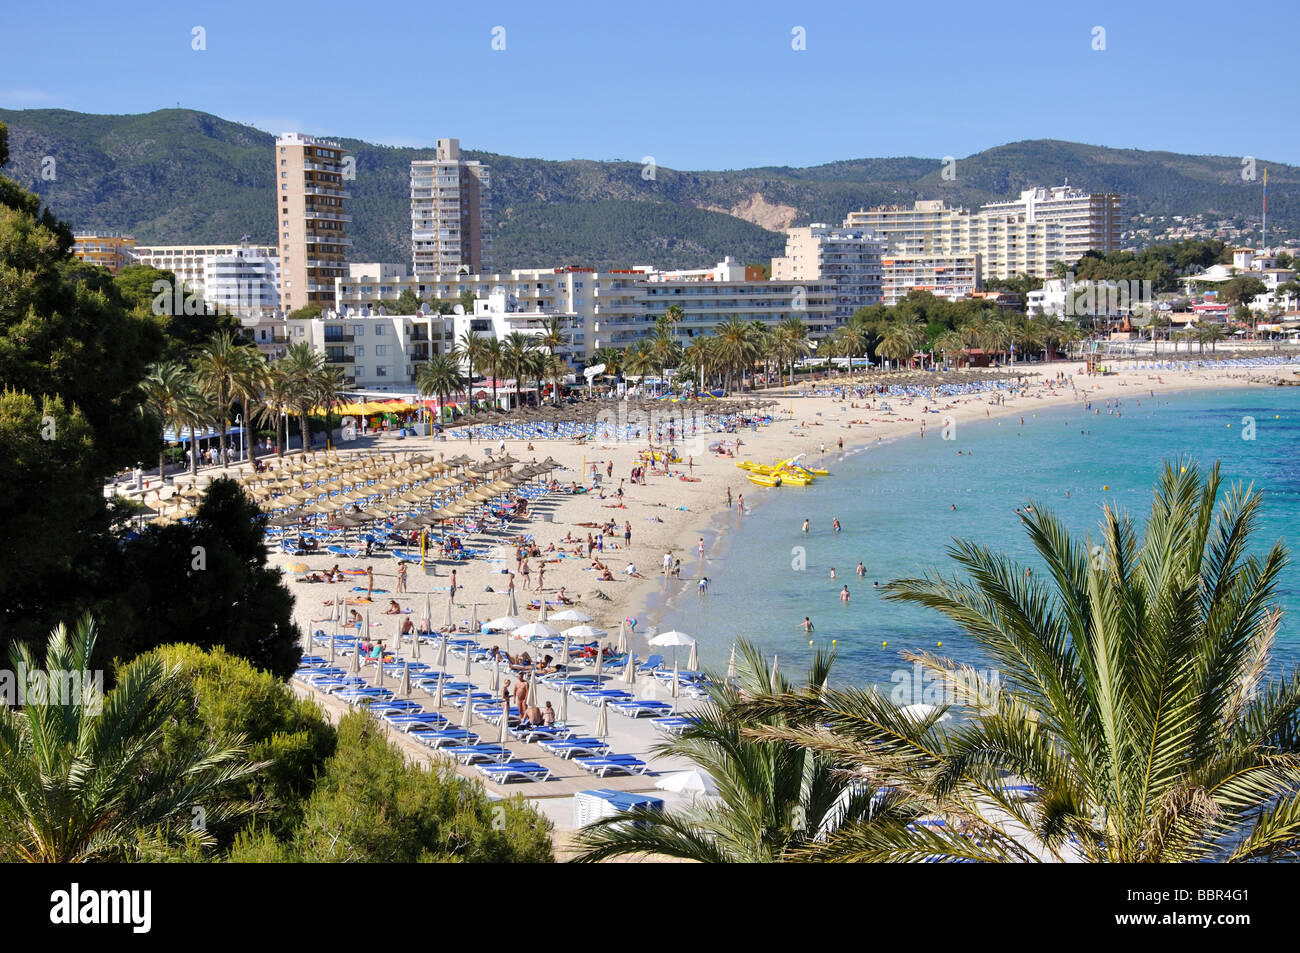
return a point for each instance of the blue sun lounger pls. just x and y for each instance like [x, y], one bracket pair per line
[672, 725]
[568, 747]
[471, 754]
[613, 762]
[363, 696]
[398, 706]
[446, 736]
[540, 733]
[604, 695]
[641, 706]
[515, 771]
[416, 721]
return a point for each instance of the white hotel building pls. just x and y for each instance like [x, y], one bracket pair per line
[610, 308]
[849, 258]
[1027, 235]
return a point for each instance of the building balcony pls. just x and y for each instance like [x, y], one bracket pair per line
[339, 338]
[339, 358]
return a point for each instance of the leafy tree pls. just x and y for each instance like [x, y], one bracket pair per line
[206, 582]
[370, 805]
[225, 697]
[407, 302]
[71, 361]
[440, 376]
[78, 781]
[1240, 291]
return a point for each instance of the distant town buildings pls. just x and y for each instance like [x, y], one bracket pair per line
[451, 229]
[849, 258]
[312, 218]
[1027, 235]
[112, 250]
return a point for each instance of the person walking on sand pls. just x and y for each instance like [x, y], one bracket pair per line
[401, 576]
[370, 581]
[527, 574]
[541, 575]
[453, 585]
[702, 587]
[627, 533]
[700, 549]
[728, 497]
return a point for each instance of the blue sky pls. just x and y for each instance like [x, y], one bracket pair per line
[695, 85]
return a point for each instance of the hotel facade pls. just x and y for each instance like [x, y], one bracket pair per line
[311, 219]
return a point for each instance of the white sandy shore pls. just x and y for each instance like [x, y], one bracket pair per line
[669, 514]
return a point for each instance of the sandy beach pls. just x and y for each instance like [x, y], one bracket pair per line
[673, 512]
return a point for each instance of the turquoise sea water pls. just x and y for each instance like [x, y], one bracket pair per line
[894, 501]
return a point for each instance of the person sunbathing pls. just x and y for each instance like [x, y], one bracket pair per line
[408, 627]
[606, 576]
[393, 608]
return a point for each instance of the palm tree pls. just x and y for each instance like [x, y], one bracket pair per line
[638, 360]
[330, 392]
[1130, 697]
[223, 369]
[168, 393]
[303, 366]
[898, 344]
[494, 359]
[673, 316]
[275, 402]
[514, 353]
[773, 799]
[473, 351]
[698, 355]
[440, 376]
[664, 347]
[949, 342]
[611, 357]
[553, 336]
[200, 412]
[1212, 333]
[736, 348]
[81, 775]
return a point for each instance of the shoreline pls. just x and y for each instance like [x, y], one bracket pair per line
[649, 603]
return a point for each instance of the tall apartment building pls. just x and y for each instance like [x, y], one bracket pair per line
[942, 275]
[311, 219]
[849, 258]
[451, 230]
[110, 249]
[1026, 235]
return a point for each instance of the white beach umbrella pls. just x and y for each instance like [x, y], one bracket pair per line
[449, 624]
[507, 623]
[672, 638]
[570, 615]
[504, 736]
[541, 614]
[676, 689]
[496, 674]
[437, 696]
[366, 635]
[534, 630]
[694, 781]
[355, 665]
[473, 618]
[331, 648]
[693, 663]
[467, 718]
[622, 637]
[600, 659]
[415, 642]
[532, 691]
[513, 608]
[583, 632]
[602, 722]
[468, 651]
[442, 654]
[775, 679]
[629, 673]
[379, 670]
[731, 666]
[406, 679]
[920, 712]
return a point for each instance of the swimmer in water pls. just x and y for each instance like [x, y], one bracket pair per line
[806, 625]
[862, 570]
[832, 572]
[805, 526]
[844, 594]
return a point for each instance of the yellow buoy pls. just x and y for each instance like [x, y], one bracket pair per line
[884, 644]
[940, 645]
[1107, 487]
[810, 641]
[835, 641]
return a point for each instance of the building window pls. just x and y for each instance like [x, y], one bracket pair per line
[360, 351]
[381, 350]
[379, 330]
[358, 330]
[361, 372]
[381, 371]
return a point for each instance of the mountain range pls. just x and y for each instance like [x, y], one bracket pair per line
[182, 176]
